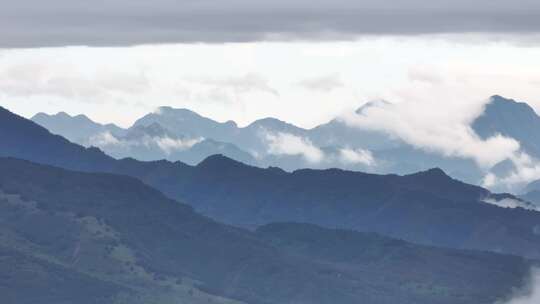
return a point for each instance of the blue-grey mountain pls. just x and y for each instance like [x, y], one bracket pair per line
[428, 207]
[189, 137]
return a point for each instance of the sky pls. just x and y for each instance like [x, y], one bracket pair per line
[437, 62]
[306, 83]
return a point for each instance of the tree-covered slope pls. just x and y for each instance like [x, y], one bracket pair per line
[115, 229]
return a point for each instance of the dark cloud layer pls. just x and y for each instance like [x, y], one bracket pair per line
[30, 23]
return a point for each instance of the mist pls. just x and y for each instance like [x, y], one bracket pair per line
[530, 294]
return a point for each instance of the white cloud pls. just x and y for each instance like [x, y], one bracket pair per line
[357, 156]
[531, 294]
[46, 76]
[166, 144]
[324, 83]
[289, 144]
[103, 139]
[426, 74]
[526, 169]
[510, 203]
[169, 145]
[437, 127]
[241, 84]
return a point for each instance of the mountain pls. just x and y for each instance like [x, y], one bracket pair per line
[512, 119]
[338, 133]
[183, 135]
[532, 193]
[533, 186]
[77, 129]
[272, 142]
[427, 207]
[184, 122]
[125, 242]
[143, 142]
[26, 279]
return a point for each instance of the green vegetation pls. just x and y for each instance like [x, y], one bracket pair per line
[119, 241]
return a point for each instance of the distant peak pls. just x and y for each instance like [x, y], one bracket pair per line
[432, 173]
[503, 101]
[267, 121]
[40, 115]
[231, 123]
[372, 104]
[219, 161]
[273, 123]
[62, 114]
[167, 110]
[500, 103]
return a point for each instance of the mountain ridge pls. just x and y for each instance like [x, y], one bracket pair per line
[120, 230]
[454, 215]
[262, 142]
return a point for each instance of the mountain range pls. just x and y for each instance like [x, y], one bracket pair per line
[223, 231]
[429, 207]
[183, 135]
[73, 237]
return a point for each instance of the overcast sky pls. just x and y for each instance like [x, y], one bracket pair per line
[301, 61]
[30, 23]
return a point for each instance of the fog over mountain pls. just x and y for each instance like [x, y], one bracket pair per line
[497, 148]
[114, 239]
[270, 152]
[428, 207]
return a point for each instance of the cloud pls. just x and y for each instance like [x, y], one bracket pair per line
[525, 170]
[103, 139]
[166, 144]
[425, 74]
[289, 144]
[530, 294]
[169, 145]
[511, 203]
[427, 125]
[325, 83]
[356, 156]
[48, 76]
[28, 23]
[241, 84]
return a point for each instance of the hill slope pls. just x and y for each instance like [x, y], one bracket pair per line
[118, 230]
[428, 207]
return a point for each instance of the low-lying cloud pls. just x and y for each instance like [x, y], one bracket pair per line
[530, 294]
[427, 125]
[511, 203]
[356, 156]
[289, 144]
[167, 145]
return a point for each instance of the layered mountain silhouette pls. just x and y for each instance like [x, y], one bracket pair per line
[512, 119]
[73, 237]
[189, 137]
[532, 193]
[427, 207]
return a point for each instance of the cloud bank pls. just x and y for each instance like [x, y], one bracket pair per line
[167, 145]
[444, 128]
[427, 125]
[324, 83]
[28, 23]
[289, 144]
[357, 156]
[511, 203]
